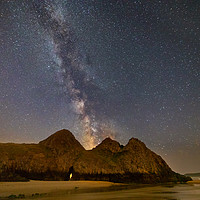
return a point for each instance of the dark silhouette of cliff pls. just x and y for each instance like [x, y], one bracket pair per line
[56, 157]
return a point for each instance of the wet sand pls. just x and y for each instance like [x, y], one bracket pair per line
[99, 190]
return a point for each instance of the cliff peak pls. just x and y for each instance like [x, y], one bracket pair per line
[109, 144]
[62, 140]
[133, 142]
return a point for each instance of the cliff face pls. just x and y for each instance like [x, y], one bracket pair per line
[61, 154]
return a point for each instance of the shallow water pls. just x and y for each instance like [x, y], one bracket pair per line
[164, 192]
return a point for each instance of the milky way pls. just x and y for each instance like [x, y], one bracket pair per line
[72, 69]
[103, 68]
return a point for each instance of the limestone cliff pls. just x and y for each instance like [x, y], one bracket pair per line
[61, 154]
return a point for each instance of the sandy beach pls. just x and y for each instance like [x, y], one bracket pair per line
[97, 190]
[49, 187]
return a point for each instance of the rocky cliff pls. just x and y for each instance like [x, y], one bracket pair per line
[61, 154]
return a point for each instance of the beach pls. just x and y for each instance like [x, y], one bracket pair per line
[97, 190]
[44, 188]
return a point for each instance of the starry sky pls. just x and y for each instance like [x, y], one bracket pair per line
[109, 68]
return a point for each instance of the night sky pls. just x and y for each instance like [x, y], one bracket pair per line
[117, 68]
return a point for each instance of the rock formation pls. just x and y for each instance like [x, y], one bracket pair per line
[56, 157]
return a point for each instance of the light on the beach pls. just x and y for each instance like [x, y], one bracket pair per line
[70, 176]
